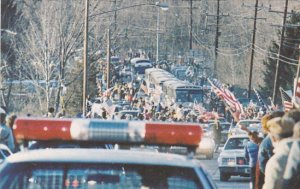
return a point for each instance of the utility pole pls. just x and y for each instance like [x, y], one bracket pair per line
[191, 25]
[278, 66]
[108, 60]
[252, 50]
[85, 58]
[191, 29]
[217, 38]
[115, 15]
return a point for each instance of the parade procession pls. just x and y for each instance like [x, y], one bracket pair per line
[150, 94]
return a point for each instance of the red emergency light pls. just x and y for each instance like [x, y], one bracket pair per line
[42, 129]
[162, 133]
[173, 133]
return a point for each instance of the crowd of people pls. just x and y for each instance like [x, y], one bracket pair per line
[275, 159]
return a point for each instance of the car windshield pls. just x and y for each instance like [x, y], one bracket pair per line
[84, 175]
[182, 96]
[235, 143]
[133, 113]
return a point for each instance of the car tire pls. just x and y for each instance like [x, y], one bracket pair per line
[210, 156]
[224, 176]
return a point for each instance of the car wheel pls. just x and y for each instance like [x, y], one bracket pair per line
[210, 156]
[224, 176]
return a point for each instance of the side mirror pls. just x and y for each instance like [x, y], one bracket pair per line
[221, 149]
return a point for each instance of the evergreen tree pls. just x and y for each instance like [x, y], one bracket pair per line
[289, 57]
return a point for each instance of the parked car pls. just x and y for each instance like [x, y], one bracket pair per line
[127, 114]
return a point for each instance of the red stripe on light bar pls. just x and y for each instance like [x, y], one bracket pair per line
[173, 134]
[42, 129]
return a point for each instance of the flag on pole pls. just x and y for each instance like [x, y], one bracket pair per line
[260, 100]
[286, 100]
[197, 106]
[109, 107]
[228, 97]
[297, 92]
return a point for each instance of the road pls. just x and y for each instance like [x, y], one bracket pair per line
[235, 182]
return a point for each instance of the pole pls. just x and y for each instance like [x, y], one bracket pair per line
[252, 50]
[85, 57]
[275, 89]
[191, 25]
[157, 35]
[115, 15]
[108, 60]
[217, 38]
[217, 29]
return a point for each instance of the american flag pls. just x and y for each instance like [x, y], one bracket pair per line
[228, 97]
[109, 107]
[260, 100]
[197, 106]
[286, 100]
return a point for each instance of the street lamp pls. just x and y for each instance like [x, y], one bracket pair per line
[164, 7]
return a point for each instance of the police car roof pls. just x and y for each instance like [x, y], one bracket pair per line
[102, 156]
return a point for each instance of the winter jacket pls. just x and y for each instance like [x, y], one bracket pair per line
[6, 137]
[292, 170]
[251, 151]
[276, 165]
[265, 152]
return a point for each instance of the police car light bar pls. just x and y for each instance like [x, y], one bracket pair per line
[182, 134]
[42, 129]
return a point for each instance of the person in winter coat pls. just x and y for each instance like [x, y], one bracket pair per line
[251, 153]
[265, 151]
[6, 135]
[281, 130]
[292, 170]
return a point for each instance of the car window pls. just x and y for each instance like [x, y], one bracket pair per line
[235, 143]
[83, 175]
[225, 126]
[6, 153]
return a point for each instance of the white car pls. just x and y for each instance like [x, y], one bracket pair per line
[232, 160]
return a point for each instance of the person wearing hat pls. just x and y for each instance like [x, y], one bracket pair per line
[6, 135]
[265, 151]
[281, 130]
